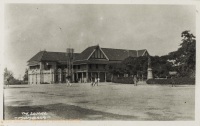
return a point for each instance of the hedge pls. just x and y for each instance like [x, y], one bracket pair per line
[179, 81]
[44, 83]
[15, 82]
[123, 80]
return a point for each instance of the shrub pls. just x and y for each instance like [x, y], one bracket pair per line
[180, 81]
[123, 80]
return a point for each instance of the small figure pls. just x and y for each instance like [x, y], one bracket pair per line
[92, 80]
[95, 81]
[68, 82]
[135, 80]
[173, 82]
[98, 80]
[8, 82]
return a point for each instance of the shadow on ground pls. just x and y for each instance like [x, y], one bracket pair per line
[63, 111]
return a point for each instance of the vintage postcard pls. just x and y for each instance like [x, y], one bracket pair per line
[78, 62]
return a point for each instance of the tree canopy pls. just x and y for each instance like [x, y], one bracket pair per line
[182, 61]
[185, 56]
[8, 75]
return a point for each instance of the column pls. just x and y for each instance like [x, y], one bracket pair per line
[60, 76]
[73, 77]
[77, 76]
[86, 76]
[51, 76]
[40, 75]
[82, 78]
[35, 78]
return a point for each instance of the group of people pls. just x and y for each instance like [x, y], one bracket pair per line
[68, 81]
[95, 81]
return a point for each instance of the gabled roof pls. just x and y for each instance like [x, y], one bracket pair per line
[50, 56]
[112, 54]
[86, 53]
[141, 52]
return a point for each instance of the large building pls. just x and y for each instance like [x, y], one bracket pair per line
[54, 67]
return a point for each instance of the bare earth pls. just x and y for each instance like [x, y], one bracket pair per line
[108, 101]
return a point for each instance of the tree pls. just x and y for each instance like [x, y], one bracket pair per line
[8, 76]
[135, 66]
[185, 56]
[114, 69]
[161, 66]
[25, 78]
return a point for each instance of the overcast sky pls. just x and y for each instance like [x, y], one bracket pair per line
[30, 28]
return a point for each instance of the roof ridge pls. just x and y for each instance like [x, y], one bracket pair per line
[58, 52]
[120, 49]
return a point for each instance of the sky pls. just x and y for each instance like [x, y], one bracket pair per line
[30, 28]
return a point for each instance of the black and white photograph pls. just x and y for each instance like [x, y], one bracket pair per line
[99, 62]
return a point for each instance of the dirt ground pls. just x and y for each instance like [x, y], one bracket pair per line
[108, 101]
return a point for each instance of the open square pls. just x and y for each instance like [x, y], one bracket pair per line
[108, 101]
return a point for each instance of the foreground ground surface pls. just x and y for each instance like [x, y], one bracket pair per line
[107, 101]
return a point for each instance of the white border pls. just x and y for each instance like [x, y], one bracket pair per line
[110, 123]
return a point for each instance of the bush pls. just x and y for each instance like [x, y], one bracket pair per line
[123, 80]
[179, 81]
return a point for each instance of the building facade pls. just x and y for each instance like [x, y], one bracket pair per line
[54, 67]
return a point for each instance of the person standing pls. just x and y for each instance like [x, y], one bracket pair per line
[98, 80]
[68, 82]
[173, 82]
[135, 80]
[95, 81]
[92, 81]
[8, 82]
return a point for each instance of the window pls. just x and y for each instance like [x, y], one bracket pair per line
[79, 66]
[97, 66]
[90, 66]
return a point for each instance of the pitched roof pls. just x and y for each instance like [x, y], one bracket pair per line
[112, 54]
[50, 56]
[141, 52]
[119, 54]
[86, 53]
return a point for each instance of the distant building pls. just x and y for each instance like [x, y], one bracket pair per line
[52, 67]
